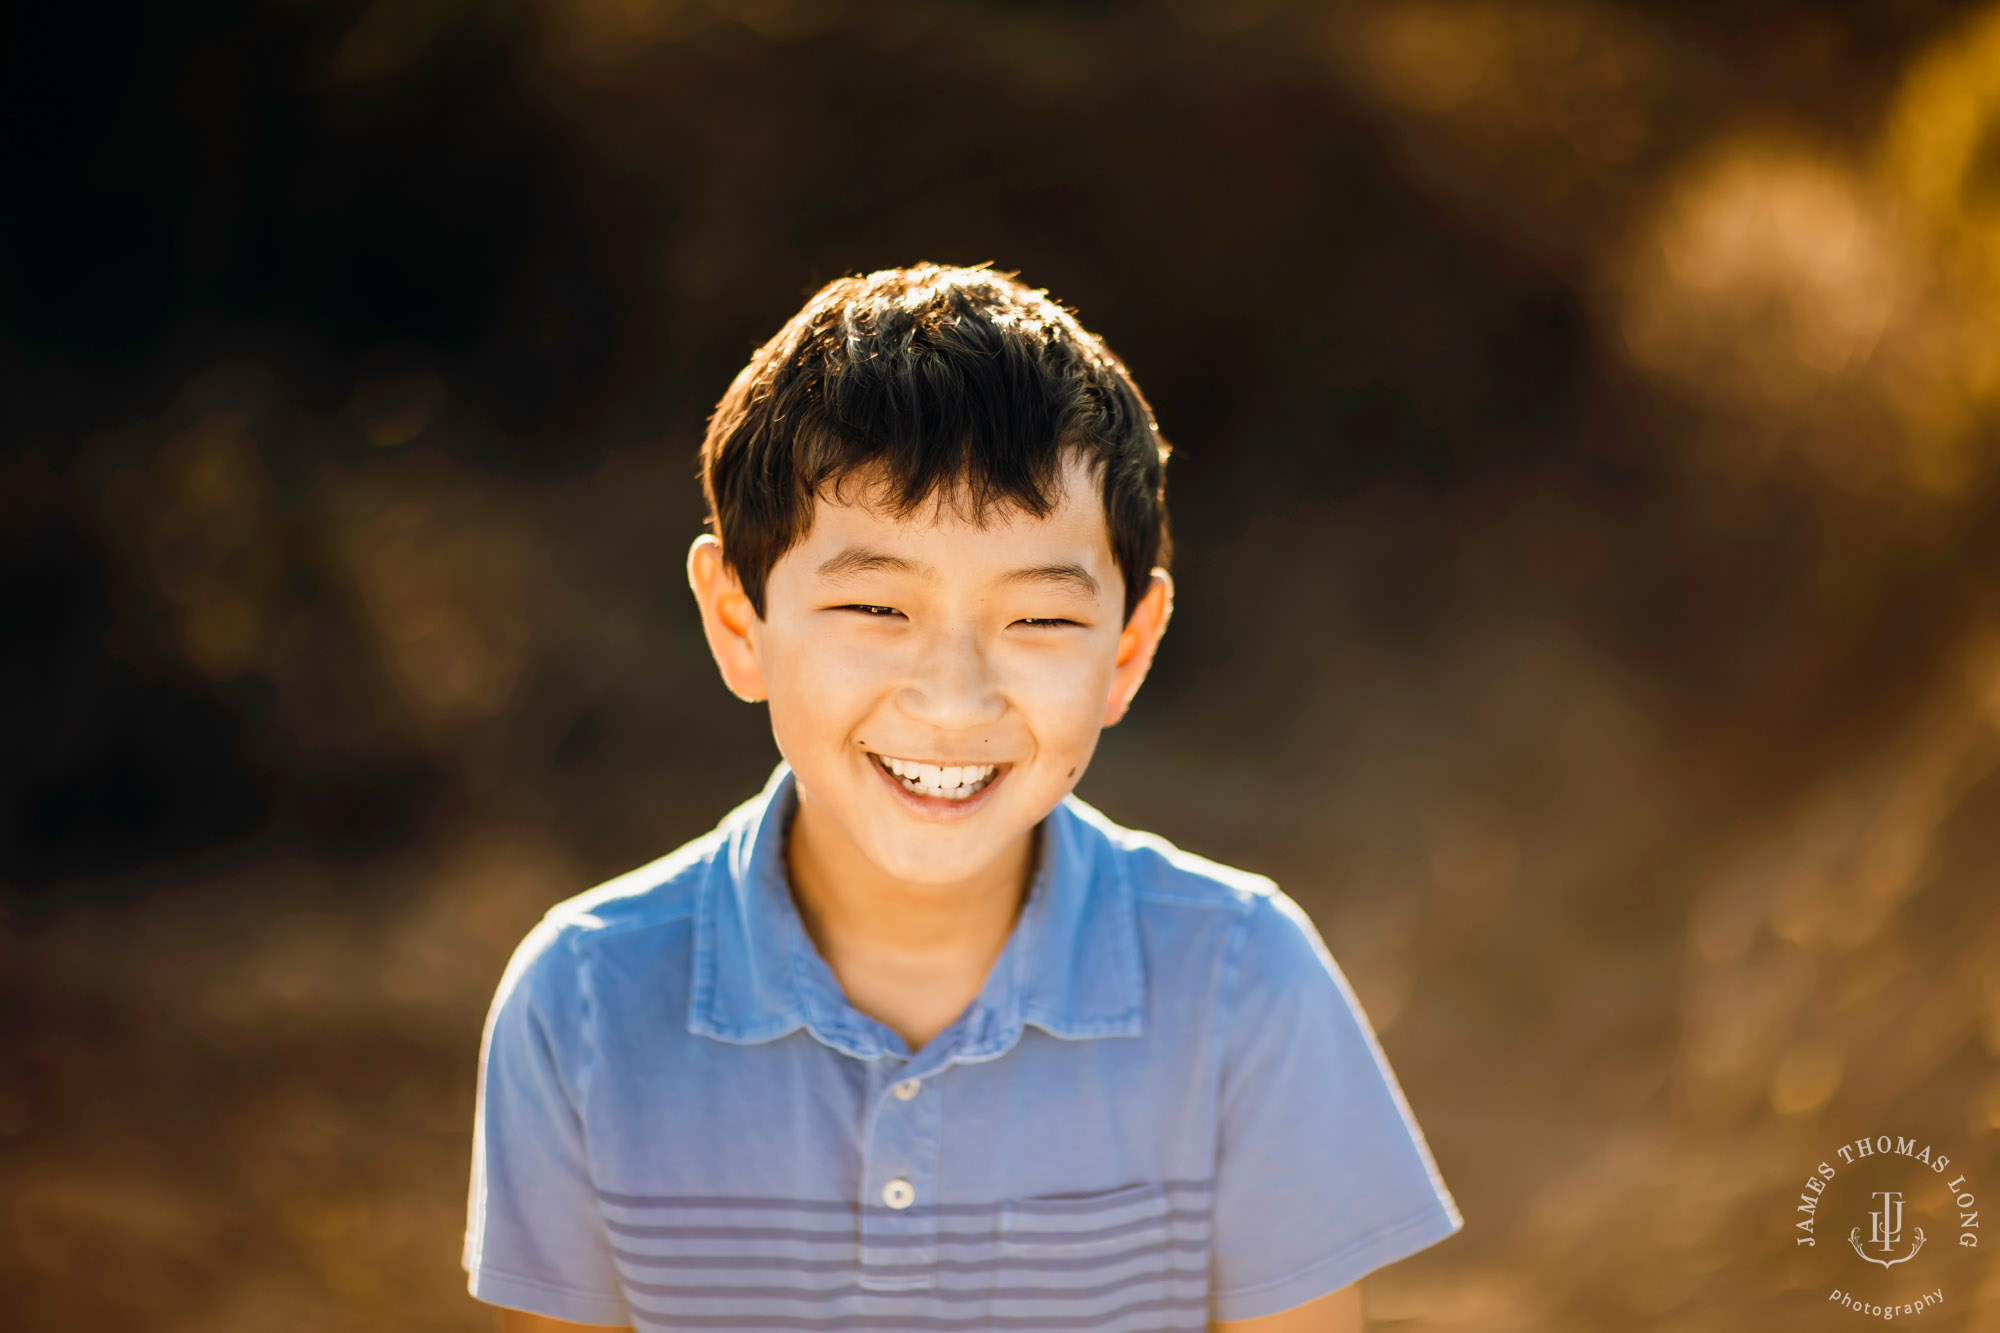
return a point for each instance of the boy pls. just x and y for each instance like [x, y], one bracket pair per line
[915, 1038]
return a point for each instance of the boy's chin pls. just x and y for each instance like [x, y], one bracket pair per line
[913, 841]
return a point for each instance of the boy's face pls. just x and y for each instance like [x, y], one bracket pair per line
[932, 642]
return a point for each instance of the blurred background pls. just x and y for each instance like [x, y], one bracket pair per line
[1589, 575]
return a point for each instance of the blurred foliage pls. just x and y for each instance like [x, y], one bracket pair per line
[1584, 481]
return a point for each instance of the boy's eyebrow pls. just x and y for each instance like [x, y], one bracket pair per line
[1062, 574]
[866, 560]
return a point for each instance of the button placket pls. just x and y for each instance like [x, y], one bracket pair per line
[899, 1216]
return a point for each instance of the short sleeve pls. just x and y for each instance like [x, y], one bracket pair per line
[535, 1238]
[1322, 1174]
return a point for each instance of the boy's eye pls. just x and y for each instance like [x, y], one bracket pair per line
[878, 612]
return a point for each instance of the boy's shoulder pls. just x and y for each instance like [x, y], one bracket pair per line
[1158, 870]
[663, 892]
[1161, 877]
[638, 909]
[1277, 940]
[1161, 871]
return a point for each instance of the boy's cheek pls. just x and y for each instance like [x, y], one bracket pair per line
[1065, 684]
[825, 663]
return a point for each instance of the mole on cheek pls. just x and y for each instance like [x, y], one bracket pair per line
[1072, 772]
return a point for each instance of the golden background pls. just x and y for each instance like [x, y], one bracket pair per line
[1589, 527]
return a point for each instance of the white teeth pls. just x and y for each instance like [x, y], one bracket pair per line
[955, 782]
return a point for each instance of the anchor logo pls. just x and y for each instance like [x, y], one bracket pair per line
[1885, 1229]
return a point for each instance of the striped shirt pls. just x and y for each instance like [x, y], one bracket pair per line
[1164, 1107]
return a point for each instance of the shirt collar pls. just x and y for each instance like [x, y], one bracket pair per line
[1071, 966]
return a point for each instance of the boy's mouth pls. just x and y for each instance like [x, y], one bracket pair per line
[948, 782]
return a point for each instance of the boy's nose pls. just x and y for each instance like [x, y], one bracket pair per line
[952, 685]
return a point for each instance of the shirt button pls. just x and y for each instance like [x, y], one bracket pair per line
[908, 1088]
[899, 1193]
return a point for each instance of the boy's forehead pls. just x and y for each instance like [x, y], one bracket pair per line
[860, 520]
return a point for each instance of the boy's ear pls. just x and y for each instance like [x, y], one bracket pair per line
[1137, 642]
[726, 618]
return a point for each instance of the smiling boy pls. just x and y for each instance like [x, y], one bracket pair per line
[915, 1038]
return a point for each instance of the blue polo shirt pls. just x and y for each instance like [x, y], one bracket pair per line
[1164, 1107]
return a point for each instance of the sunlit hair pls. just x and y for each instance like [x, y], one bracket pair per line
[958, 383]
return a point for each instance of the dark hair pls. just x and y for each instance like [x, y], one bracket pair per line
[954, 379]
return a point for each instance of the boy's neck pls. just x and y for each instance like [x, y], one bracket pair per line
[910, 956]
